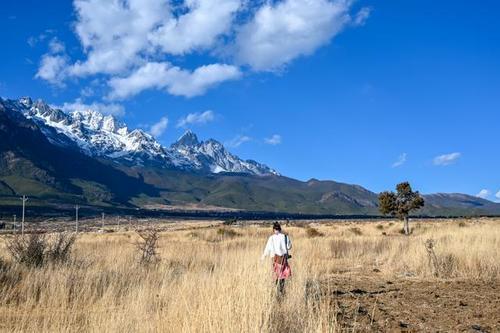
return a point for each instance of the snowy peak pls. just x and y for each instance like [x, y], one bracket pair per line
[212, 156]
[40, 109]
[98, 122]
[105, 136]
[188, 139]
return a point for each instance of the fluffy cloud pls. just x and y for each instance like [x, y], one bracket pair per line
[123, 40]
[159, 128]
[401, 160]
[497, 195]
[52, 69]
[196, 118]
[171, 78]
[78, 105]
[273, 140]
[282, 31]
[113, 33]
[446, 159]
[56, 46]
[238, 141]
[484, 193]
[199, 28]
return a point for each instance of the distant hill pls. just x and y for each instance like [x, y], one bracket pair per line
[87, 158]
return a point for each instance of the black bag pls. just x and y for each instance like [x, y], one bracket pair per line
[288, 256]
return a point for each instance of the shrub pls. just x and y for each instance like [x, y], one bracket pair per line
[356, 231]
[29, 250]
[230, 221]
[311, 232]
[380, 226]
[59, 250]
[35, 250]
[462, 224]
[147, 246]
[227, 233]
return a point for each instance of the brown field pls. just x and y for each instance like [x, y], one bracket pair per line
[347, 277]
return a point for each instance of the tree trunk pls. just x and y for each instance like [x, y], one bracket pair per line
[407, 225]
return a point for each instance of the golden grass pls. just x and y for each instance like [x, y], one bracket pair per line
[211, 279]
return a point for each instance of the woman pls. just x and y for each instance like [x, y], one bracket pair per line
[277, 247]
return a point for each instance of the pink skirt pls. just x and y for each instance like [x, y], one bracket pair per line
[281, 271]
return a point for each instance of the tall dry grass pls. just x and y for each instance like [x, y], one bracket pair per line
[212, 279]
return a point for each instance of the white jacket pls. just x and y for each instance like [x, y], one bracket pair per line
[276, 245]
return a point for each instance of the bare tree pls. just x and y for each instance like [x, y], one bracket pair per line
[401, 203]
[147, 246]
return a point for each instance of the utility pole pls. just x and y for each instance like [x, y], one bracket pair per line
[15, 222]
[102, 222]
[76, 210]
[24, 199]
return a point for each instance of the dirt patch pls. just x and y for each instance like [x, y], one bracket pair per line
[371, 303]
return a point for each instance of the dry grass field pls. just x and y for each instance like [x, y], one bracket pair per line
[347, 277]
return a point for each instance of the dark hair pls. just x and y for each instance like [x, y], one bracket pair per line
[276, 226]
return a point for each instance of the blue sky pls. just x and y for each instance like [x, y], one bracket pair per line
[365, 92]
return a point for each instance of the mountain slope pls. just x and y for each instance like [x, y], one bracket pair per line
[211, 156]
[87, 159]
[31, 164]
[106, 137]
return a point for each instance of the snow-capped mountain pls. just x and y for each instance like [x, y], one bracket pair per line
[103, 136]
[211, 156]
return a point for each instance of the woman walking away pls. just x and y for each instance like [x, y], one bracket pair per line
[277, 247]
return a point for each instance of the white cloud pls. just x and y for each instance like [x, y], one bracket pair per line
[196, 118]
[54, 64]
[52, 69]
[273, 140]
[79, 105]
[198, 28]
[282, 31]
[114, 33]
[123, 40]
[446, 159]
[362, 16]
[56, 46]
[401, 160]
[173, 79]
[238, 141]
[483, 194]
[159, 128]
[497, 195]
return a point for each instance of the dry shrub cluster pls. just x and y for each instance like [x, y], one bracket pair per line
[227, 233]
[356, 231]
[35, 250]
[147, 246]
[312, 232]
[202, 285]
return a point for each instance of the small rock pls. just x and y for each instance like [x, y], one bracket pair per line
[362, 310]
[462, 303]
[477, 328]
[403, 324]
[376, 270]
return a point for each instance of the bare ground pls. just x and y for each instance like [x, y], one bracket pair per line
[372, 303]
